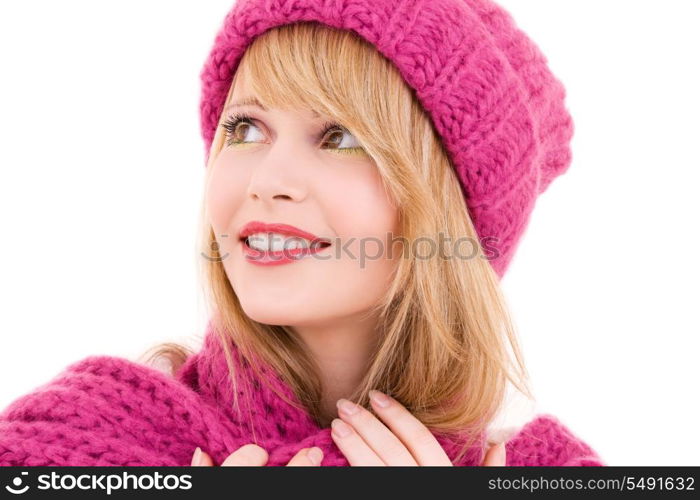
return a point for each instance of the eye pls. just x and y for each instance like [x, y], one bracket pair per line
[335, 134]
[239, 124]
[236, 125]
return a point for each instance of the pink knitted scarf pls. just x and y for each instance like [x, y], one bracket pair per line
[106, 410]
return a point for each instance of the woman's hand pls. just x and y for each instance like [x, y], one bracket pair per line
[254, 455]
[365, 440]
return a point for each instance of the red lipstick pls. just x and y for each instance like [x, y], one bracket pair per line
[284, 256]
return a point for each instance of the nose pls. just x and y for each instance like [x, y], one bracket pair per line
[277, 178]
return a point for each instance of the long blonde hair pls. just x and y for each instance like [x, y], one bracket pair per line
[444, 330]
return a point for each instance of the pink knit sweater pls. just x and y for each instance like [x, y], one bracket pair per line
[106, 410]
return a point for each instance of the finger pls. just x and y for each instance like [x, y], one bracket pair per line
[200, 458]
[248, 455]
[424, 447]
[307, 457]
[382, 441]
[496, 456]
[355, 449]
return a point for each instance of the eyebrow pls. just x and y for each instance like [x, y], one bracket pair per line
[253, 101]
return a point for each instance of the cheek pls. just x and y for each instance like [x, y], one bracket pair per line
[225, 192]
[357, 206]
[364, 220]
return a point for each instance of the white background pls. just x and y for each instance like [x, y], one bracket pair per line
[101, 179]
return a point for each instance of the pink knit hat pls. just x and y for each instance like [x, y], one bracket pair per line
[485, 84]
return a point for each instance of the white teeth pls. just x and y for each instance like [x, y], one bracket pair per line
[276, 242]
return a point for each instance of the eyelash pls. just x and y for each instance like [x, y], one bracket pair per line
[232, 122]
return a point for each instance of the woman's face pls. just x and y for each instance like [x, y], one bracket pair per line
[284, 170]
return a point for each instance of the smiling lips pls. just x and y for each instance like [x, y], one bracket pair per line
[274, 244]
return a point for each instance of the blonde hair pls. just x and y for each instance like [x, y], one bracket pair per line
[444, 331]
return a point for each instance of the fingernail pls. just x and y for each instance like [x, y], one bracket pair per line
[340, 428]
[197, 457]
[315, 455]
[379, 398]
[347, 406]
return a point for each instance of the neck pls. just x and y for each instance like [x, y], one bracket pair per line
[342, 350]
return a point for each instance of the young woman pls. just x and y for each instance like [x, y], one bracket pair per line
[362, 159]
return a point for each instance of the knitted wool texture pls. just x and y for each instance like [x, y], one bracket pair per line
[485, 85]
[501, 116]
[107, 410]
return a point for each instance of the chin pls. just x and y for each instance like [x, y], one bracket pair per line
[274, 313]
